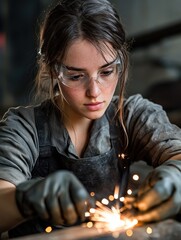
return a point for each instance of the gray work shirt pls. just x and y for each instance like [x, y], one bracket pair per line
[152, 137]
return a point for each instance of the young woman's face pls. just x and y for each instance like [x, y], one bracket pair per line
[90, 99]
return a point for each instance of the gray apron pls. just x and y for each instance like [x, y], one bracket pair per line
[99, 174]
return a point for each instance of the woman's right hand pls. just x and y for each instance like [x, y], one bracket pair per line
[60, 197]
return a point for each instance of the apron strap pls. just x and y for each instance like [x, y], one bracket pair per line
[43, 130]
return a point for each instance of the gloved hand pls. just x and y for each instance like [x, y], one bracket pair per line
[60, 197]
[159, 197]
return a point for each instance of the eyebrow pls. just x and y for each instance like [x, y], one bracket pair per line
[82, 69]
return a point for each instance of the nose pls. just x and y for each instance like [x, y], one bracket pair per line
[93, 88]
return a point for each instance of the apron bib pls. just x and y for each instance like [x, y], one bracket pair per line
[99, 174]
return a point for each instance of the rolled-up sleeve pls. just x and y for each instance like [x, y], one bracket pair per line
[152, 137]
[19, 146]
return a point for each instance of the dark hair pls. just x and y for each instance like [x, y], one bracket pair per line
[94, 20]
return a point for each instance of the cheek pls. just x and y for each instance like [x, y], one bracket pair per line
[70, 94]
[112, 88]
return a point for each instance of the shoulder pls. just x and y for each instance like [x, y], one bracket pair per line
[19, 143]
[136, 106]
[18, 116]
[137, 102]
[24, 113]
[152, 137]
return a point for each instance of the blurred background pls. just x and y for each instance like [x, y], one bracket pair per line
[153, 29]
[19, 28]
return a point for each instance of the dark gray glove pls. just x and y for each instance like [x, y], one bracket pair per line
[60, 197]
[159, 197]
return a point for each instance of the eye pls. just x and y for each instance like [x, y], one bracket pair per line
[106, 72]
[73, 76]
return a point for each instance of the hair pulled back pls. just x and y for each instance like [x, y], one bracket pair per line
[94, 20]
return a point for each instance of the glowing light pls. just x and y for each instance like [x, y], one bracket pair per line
[121, 155]
[105, 201]
[90, 224]
[129, 233]
[109, 217]
[149, 230]
[92, 210]
[116, 192]
[87, 214]
[111, 198]
[48, 229]
[129, 192]
[135, 177]
[92, 194]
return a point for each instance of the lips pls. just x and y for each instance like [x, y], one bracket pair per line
[94, 106]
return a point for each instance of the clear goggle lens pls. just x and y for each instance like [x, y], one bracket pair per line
[75, 78]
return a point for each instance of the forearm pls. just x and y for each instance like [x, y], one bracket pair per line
[9, 213]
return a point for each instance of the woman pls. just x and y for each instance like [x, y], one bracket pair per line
[53, 155]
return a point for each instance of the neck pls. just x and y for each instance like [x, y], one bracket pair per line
[78, 128]
[79, 132]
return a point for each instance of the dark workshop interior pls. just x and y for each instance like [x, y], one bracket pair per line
[153, 31]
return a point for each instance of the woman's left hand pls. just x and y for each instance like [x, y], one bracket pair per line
[159, 197]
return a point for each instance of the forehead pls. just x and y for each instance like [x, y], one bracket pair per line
[82, 53]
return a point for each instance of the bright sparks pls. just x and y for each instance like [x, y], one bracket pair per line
[48, 229]
[109, 218]
[135, 177]
[149, 230]
[129, 192]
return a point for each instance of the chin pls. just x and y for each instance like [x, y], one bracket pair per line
[95, 115]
